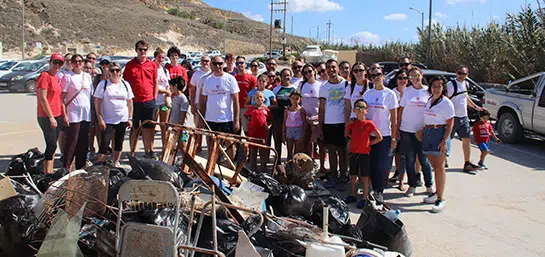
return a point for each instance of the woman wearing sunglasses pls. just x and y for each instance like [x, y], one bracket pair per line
[411, 113]
[357, 86]
[77, 88]
[48, 91]
[113, 101]
[254, 68]
[401, 80]
[382, 110]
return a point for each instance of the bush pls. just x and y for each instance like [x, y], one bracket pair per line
[182, 14]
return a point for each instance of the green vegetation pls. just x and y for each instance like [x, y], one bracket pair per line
[179, 13]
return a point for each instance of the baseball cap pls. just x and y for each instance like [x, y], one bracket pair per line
[105, 60]
[57, 56]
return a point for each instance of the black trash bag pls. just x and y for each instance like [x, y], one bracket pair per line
[378, 229]
[43, 181]
[293, 201]
[118, 176]
[31, 161]
[88, 234]
[338, 214]
[227, 233]
[270, 185]
[351, 230]
[16, 166]
[18, 223]
[183, 176]
[162, 217]
[153, 170]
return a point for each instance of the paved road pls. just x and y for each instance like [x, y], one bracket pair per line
[498, 212]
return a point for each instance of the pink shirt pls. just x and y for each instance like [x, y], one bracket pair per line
[294, 119]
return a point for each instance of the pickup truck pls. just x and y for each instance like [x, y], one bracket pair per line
[519, 108]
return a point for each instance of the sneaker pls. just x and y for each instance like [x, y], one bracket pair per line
[470, 169]
[429, 190]
[379, 197]
[362, 203]
[330, 183]
[430, 198]
[482, 165]
[394, 178]
[350, 199]
[446, 163]
[438, 206]
[410, 191]
[373, 202]
[419, 179]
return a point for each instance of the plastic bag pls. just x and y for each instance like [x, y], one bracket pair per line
[117, 178]
[153, 170]
[31, 161]
[293, 201]
[270, 185]
[43, 181]
[338, 214]
[227, 233]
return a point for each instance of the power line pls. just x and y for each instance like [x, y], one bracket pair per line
[329, 32]
[283, 8]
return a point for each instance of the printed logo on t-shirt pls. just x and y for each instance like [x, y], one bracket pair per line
[335, 94]
[429, 112]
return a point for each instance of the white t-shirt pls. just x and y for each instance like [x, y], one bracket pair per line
[439, 113]
[413, 103]
[296, 81]
[219, 90]
[459, 101]
[311, 94]
[379, 105]
[334, 102]
[114, 101]
[353, 96]
[196, 81]
[80, 108]
[163, 77]
[398, 94]
[61, 73]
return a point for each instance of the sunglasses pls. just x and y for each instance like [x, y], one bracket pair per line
[272, 76]
[321, 71]
[77, 61]
[376, 75]
[254, 65]
[297, 67]
[402, 78]
[271, 63]
[404, 64]
[307, 72]
[357, 70]
[57, 62]
[115, 70]
[239, 63]
[217, 63]
[142, 49]
[205, 61]
[461, 73]
[360, 107]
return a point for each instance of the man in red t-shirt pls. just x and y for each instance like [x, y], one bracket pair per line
[141, 73]
[246, 82]
[482, 130]
[174, 68]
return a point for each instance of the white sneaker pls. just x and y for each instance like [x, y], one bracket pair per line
[430, 199]
[439, 206]
[410, 191]
[429, 190]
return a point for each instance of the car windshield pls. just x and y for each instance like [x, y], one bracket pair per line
[311, 49]
[210, 52]
[28, 66]
[7, 65]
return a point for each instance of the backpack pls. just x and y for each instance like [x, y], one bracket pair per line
[106, 83]
[455, 86]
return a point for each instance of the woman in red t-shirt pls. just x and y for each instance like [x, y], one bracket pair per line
[49, 92]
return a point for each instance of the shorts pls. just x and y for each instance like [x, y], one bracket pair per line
[184, 137]
[334, 134]
[360, 164]
[225, 127]
[483, 146]
[142, 112]
[295, 133]
[431, 139]
[462, 127]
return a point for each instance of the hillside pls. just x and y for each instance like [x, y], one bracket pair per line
[116, 25]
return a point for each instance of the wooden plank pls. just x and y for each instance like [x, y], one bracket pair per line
[212, 156]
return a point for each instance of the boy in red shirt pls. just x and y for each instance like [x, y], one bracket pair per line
[481, 133]
[360, 131]
[260, 119]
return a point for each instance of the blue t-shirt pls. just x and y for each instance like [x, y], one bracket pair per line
[269, 96]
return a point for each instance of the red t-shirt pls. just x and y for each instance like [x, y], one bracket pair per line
[51, 84]
[360, 132]
[246, 82]
[177, 71]
[482, 131]
[259, 119]
[142, 78]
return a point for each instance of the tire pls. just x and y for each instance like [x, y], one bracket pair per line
[509, 128]
[30, 86]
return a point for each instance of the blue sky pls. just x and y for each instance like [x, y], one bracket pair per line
[374, 21]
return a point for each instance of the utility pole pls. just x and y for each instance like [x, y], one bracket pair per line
[329, 32]
[270, 29]
[317, 33]
[284, 32]
[292, 25]
[273, 10]
[23, 32]
[429, 38]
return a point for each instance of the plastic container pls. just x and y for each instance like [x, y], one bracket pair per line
[392, 215]
[367, 253]
[326, 250]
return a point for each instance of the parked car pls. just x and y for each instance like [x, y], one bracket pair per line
[261, 67]
[24, 78]
[519, 108]
[7, 67]
[387, 67]
[212, 53]
[275, 54]
[312, 54]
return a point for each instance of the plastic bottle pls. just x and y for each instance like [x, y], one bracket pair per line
[366, 253]
[392, 215]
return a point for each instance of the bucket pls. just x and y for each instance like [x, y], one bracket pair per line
[326, 250]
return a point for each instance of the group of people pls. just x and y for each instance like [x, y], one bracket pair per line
[327, 110]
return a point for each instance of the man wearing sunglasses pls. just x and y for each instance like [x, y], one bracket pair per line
[405, 63]
[321, 72]
[246, 82]
[297, 68]
[271, 66]
[219, 102]
[141, 73]
[461, 100]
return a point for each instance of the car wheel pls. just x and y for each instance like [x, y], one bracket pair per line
[30, 86]
[509, 128]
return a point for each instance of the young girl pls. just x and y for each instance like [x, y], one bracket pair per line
[260, 120]
[294, 126]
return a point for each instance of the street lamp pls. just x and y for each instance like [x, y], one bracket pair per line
[23, 31]
[421, 13]
[429, 38]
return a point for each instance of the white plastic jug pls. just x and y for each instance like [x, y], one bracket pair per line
[367, 253]
[326, 250]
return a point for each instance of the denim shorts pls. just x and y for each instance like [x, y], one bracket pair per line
[431, 139]
[461, 127]
[483, 146]
[295, 133]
